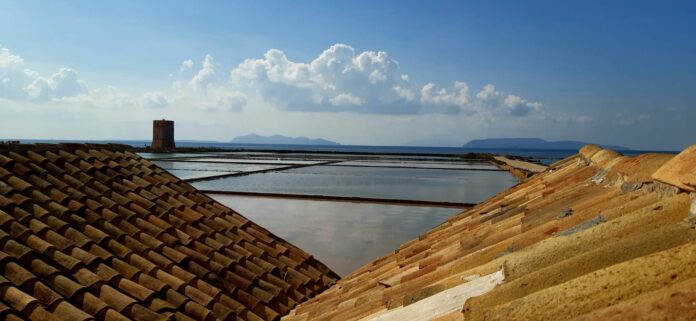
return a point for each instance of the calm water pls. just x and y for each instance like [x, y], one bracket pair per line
[219, 167]
[342, 235]
[188, 170]
[255, 161]
[391, 183]
[172, 155]
[188, 174]
[442, 165]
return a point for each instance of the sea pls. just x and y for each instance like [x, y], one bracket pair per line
[543, 156]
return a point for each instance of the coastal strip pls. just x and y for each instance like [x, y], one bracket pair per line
[518, 168]
[346, 199]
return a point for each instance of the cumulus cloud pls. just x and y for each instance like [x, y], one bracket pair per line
[488, 93]
[458, 98]
[497, 102]
[232, 102]
[64, 83]
[186, 65]
[66, 87]
[16, 82]
[8, 60]
[518, 106]
[345, 100]
[204, 76]
[12, 78]
[338, 79]
[364, 82]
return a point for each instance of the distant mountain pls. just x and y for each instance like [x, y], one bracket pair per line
[531, 143]
[280, 140]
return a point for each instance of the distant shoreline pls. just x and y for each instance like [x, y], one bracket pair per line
[210, 146]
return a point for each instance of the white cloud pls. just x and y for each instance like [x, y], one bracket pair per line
[186, 65]
[26, 84]
[204, 76]
[499, 103]
[8, 60]
[16, 82]
[360, 82]
[232, 102]
[327, 81]
[12, 78]
[345, 100]
[458, 97]
[364, 82]
[64, 83]
[405, 93]
[487, 93]
[518, 106]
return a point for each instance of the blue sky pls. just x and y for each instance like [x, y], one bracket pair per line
[358, 72]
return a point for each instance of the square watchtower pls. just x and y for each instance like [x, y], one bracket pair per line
[163, 135]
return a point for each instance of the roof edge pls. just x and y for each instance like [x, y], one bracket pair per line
[598, 156]
[680, 171]
[17, 146]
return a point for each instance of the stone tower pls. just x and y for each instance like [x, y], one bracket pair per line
[162, 134]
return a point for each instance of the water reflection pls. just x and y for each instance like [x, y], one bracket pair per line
[256, 161]
[406, 164]
[393, 183]
[189, 174]
[195, 166]
[342, 235]
[172, 155]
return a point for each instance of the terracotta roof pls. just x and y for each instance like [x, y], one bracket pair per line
[595, 236]
[96, 232]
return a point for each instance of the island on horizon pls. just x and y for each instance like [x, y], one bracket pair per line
[532, 143]
[280, 140]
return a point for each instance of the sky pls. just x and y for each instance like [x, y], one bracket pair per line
[433, 73]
